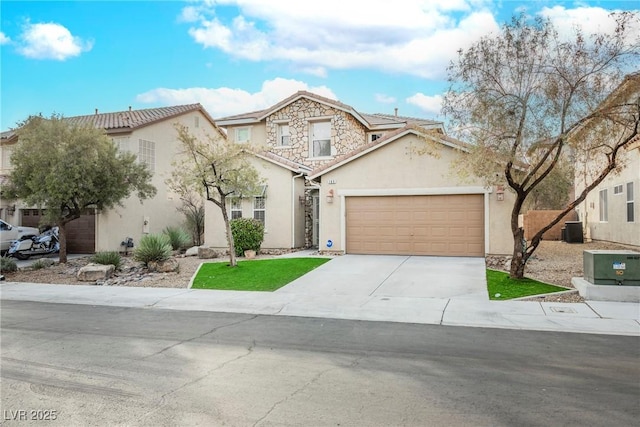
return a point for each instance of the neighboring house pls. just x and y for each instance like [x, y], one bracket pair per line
[611, 211]
[348, 182]
[151, 135]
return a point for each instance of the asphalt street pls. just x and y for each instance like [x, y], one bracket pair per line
[99, 365]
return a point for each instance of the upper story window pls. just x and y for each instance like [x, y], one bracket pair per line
[630, 204]
[320, 139]
[147, 153]
[375, 136]
[283, 135]
[122, 143]
[243, 134]
[236, 208]
[617, 189]
[6, 157]
[604, 208]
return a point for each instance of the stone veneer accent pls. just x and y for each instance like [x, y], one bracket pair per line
[347, 133]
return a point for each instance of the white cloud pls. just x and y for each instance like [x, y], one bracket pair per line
[413, 36]
[4, 39]
[384, 99]
[50, 41]
[427, 103]
[224, 101]
[591, 19]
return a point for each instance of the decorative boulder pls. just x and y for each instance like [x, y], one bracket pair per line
[167, 266]
[94, 272]
[192, 251]
[205, 253]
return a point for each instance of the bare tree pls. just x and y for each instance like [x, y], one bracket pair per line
[526, 97]
[217, 169]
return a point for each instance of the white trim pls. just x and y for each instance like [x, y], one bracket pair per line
[415, 191]
[343, 194]
[246, 121]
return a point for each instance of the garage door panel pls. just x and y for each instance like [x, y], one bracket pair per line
[450, 225]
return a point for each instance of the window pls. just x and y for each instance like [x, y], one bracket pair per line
[243, 134]
[122, 143]
[236, 207]
[6, 157]
[147, 153]
[283, 135]
[617, 189]
[604, 216]
[375, 136]
[259, 208]
[630, 205]
[321, 139]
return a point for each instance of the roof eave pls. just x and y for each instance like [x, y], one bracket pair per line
[225, 123]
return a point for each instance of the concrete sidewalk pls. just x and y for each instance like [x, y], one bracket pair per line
[591, 317]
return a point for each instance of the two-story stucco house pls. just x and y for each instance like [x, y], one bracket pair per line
[150, 134]
[348, 182]
[611, 211]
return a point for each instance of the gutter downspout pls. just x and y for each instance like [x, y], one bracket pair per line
[293, 209]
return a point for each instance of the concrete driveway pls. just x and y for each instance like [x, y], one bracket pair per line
[396, 276]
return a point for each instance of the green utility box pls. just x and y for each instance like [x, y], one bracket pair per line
[612, 267]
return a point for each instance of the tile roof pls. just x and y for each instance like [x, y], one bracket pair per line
[129, 120]
[133, 119]
[284, 162]
[371, 121]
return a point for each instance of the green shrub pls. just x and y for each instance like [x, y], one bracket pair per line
[153, 247]
[178, 238]
[248, 234]
[107, 258]
[8, 265]
[40, 264]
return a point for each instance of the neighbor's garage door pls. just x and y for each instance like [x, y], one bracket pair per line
[81, 232]
[448, 225]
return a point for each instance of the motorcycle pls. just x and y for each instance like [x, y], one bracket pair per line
[43, 244]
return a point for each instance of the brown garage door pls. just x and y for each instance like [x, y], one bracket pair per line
[81, 233]
[448, 225]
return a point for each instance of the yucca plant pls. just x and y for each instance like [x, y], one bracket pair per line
[178, 238]
[107, 258]
[153, 247]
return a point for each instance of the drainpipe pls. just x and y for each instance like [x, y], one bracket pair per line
[293, 209]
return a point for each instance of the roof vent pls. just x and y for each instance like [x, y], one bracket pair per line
[395, 111]
[96, 111]
[129, 107]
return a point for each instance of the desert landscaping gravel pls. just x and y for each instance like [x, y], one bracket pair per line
[553, 262]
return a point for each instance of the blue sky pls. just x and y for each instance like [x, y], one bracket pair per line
[235, 56]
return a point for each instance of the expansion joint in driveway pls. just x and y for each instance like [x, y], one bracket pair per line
[389, 275]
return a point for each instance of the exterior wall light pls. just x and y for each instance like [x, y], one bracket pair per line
[330, 196]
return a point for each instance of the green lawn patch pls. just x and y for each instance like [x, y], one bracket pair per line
[265, 275]
[502, 287]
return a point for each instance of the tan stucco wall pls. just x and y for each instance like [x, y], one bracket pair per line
[616, 229]
[161, 211]
[396, 169]
[258, 133]
[281, 198]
